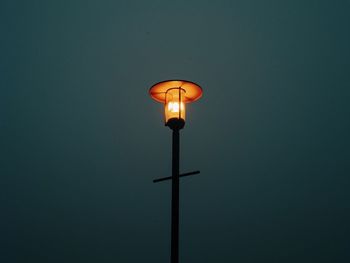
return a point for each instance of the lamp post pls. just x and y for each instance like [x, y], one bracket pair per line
[174, 94]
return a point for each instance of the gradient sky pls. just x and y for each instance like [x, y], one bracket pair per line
[81, 140]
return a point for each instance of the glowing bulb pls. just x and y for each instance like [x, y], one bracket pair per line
[174, 106]
[174, 109]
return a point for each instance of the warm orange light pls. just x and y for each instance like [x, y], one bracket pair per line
[175, 94]
[174, 105]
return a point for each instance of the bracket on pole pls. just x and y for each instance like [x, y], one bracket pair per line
[170, 177]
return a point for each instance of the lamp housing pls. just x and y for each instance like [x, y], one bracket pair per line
[175, 94]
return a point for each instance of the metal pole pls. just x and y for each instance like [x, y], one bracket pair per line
[175, 197]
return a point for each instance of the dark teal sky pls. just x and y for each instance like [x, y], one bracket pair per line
[81, 141]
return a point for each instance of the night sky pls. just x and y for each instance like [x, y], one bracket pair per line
[81, 140]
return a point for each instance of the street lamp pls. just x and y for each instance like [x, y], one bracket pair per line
[174, 94]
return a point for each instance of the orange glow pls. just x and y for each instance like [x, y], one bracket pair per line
[192, 91]
[174, 106]
[174, 94]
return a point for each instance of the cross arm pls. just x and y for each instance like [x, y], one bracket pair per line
[170, 177]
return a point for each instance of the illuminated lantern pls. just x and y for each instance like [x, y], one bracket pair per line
[174, 94]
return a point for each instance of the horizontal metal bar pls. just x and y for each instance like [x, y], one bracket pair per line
[162, 179]
[190, 173]
[169, 177]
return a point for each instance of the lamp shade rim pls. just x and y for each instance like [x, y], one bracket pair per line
[192, 91]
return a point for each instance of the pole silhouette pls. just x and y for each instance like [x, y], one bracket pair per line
[176, 126]
[175, 197]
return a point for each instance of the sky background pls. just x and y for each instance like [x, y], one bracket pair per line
[81, 140]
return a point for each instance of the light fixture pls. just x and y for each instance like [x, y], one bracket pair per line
[175, 94]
